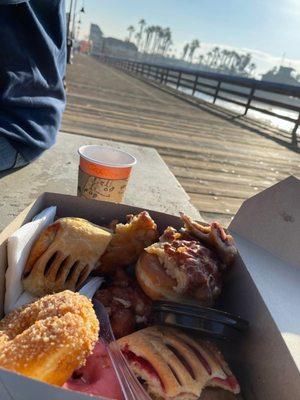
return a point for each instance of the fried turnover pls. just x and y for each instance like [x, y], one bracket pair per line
[173, 366]
[128, 308]
[213, 235]
[188, 264]
[128, 242]
[64, 255]
[50, 338]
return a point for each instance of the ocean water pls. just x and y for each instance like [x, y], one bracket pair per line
[256, 115]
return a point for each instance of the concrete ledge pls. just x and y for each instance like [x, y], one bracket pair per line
[152, 184]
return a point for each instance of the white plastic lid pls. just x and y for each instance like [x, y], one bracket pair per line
[108, 156]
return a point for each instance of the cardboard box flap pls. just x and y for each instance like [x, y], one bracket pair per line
[267, 233]
[271, 219]
[278, 284]
[17, 387]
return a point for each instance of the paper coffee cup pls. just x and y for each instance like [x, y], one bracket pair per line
[103, 172]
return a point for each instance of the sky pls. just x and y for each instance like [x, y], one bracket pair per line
[269, 29]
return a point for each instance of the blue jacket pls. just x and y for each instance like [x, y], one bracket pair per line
[32, 67]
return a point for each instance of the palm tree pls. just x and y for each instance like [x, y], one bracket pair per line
[216, 56]
[231, 59]
[185, 50]
[156, 38]
[167, 40]
[225, 55]
[130, 31]
[209, 57]
[201, 59]
[168, 49]
[138, 38]
[238, 63]
[148, 32]
[161, 34]
[252, 67]
[195, 44]
[245, 62]
[142, 24]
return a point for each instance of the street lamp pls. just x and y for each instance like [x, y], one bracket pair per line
[71, 34]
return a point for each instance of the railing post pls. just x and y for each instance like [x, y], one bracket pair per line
[247, 106]
[143, 69]
[156, 74]
[148, 72]
[178, 80]
[195, 85]
[294, 132]
[166, 77]
[217, 91]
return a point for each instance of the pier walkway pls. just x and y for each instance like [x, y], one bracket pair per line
[219, 161]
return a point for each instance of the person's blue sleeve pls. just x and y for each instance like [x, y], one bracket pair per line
[32, 67]
[6, 2]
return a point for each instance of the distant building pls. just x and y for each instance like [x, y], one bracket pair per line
[96, 40]
[282, 75]
[119, 48]
[85, 46]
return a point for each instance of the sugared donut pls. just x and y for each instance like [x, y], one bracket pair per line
[50, 338]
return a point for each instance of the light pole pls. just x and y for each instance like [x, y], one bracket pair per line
[69, 36]
[74, 17]
[69, 19]
[72, 32]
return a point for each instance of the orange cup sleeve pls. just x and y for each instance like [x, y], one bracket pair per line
[102, 171]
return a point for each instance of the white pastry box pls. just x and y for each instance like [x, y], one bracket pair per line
[263, 287]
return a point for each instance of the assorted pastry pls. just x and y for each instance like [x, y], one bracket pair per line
[50, 338]
[186, 264]
[128, 307]
[173, 365]
[56, 338]
[64, 256]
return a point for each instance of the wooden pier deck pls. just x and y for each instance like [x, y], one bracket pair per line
[218, 162]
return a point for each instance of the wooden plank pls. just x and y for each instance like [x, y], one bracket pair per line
[234, 166]
[219, 189]
[224, 219]
[222, 205]
[167, 127]
[213, 176]
[153, 139]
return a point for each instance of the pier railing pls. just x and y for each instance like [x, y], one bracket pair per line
[274, 99]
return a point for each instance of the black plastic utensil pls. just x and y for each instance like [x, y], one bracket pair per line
[208, 321]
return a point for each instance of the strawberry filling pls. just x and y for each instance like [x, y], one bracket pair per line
[143, 364]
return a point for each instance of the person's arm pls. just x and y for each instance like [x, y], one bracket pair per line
[32, 67]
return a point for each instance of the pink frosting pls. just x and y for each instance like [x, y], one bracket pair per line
[97, 377]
